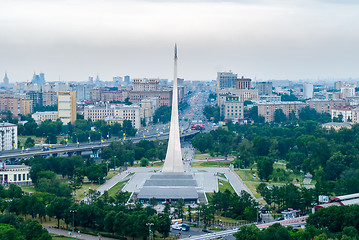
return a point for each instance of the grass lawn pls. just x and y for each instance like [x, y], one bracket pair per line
[118, 186]
[157, 164]
[80, 192]
[247, 175]
[110, 174]
[59, 237]
[210, 164]
[224, 186]
[230, 220]
[28, 188]
[202, 171]
[201, 156]
[221, 175]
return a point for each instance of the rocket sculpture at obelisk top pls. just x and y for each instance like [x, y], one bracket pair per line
[173, 162]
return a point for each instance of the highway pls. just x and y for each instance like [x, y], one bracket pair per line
[71, 148]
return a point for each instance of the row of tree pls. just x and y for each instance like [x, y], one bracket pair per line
[331, 157]
[330, 223]
[101, 214]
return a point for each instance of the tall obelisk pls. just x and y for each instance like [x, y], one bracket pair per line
[173, 162]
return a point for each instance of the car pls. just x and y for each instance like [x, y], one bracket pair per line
[27, 151]
[53, 147]
[279, 219]
[206, 230]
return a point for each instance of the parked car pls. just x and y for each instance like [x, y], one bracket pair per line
[206, 230]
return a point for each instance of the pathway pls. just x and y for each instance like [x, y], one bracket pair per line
[75, 235]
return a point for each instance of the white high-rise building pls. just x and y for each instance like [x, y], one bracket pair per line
[8, 136]
[66, 107]
[307, 91]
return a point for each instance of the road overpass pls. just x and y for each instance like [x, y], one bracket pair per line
[78, 149]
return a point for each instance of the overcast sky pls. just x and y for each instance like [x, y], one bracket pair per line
[264, 39]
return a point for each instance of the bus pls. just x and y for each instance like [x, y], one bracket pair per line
[197, 126]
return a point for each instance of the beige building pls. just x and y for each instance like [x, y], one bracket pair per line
[243, 94]
[95, 95]
[112, 120]
[164, 96]
[125, 112]
[49, 98]
[42, 116]
[233, 109]
[15, 174]
[98, 112]
[66, 106]
[324, 105]
[244, 83]
[145, 84]
[26, 107]
[113, 96]
[9, 104]
[267, 109]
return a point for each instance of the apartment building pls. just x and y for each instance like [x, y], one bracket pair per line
[8, 136]
[324, 105]
[42, 116]
[66, 106]
[267, 109]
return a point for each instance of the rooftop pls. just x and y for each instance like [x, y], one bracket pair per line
[5, 124]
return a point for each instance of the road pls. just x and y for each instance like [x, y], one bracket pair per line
[75, 235]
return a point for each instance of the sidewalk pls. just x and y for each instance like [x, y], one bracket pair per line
[75, 235]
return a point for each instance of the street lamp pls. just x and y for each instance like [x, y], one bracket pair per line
[73, 219]
[149, 229]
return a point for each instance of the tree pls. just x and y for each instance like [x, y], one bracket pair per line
[57, 208]
[265, 168]
[29, 143]
[144, 162]
[162, 114]
[250, 232]
[279, 116]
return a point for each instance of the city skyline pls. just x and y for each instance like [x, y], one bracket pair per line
[70, 41]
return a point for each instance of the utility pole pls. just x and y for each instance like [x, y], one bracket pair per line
[149, 229]
[73, 219]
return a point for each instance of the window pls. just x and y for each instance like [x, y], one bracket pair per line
[15, 177]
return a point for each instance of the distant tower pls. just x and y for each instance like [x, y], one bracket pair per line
[173, 162]
[97, 79]
[6, 81]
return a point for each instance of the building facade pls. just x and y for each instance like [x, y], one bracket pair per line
[307, 91]
[8, 136]
[145, 84]
[164, 96]
[26, 107]
[264, 88]
[344, 112]
[10, 104]
[324, 105]
[66, 106]
[124, 112]
[42, 116]
[15, 174]
[49, 98]
[226, 80]
[233, 109]
[243, 83]
[267, 109]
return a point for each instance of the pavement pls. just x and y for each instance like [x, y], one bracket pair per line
[110, 183]
[75, 235]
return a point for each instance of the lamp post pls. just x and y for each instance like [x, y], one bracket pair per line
[73, 219]
[149, 229]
